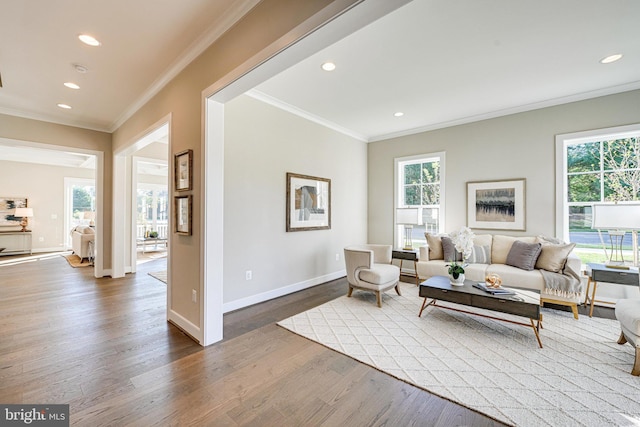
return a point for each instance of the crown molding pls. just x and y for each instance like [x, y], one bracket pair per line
[217, 29]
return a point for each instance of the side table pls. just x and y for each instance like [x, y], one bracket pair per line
[408, 255]
[601, 273]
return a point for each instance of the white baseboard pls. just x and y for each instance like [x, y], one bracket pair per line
[285, 290]
[185, 325]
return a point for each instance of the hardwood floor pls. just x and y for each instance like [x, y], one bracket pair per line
[104, 347]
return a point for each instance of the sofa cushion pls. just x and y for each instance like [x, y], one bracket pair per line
[553, 257]
[483, 240]
[449, 250]
[524, 255]
[480, 255]
[380, 274]
[435, 246]
[502, 245]
[516, 277]
[475, 272]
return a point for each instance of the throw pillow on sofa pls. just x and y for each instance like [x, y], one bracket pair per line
[449, 250]
[480, 255]
[435, 246]
[524, 255]
[553, 257]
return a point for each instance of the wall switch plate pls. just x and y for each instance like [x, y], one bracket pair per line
[194, 295]
[248, 275]
[337, 257]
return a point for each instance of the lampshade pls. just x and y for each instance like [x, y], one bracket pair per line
[616, 216]
[23, 213]
[89, 215]
[407, 216]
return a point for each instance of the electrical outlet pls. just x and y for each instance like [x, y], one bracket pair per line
[248, 275]
[194, 295]
[337, 257]
[40, 239]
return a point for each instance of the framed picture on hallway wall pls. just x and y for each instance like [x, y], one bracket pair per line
[183, 214]
[183, 170]
[308, 203]
[496, 205]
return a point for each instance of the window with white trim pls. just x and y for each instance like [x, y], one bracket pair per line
[420, 184]
[595, 167]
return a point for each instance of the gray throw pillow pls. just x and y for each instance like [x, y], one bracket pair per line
[480, 255]
[524, 255]
[449, 250]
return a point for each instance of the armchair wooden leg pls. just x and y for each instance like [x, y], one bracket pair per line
[379, 298]
[350, 291]
[636, 364]
[398, 289]
[622, 339]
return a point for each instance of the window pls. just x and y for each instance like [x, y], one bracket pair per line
[152, 210]
[419, 184]
[597, 166]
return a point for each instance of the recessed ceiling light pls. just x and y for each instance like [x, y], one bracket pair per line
[64, 106]
[611, 58]
[90, 40]
[72, 85]
[328, 66]
[398, 114]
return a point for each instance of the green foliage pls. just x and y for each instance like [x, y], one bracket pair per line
[455, 269]
[82, 200]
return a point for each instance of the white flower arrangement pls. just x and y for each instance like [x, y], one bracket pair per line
[463, 241]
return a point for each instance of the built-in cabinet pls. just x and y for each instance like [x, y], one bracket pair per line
[15, 242]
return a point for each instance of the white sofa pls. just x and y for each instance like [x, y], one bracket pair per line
[80, 237]
[555, 254]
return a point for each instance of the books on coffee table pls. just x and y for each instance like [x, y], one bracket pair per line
[493, 291]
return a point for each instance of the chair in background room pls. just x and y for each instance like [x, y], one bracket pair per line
[369, 268]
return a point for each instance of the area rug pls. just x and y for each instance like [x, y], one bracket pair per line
[580, 378]
[75, 261]
[160, 275]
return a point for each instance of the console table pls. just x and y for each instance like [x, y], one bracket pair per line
[15, 242]
[601, 273]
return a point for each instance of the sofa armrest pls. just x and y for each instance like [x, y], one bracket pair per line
[424, 253]
[574, 263]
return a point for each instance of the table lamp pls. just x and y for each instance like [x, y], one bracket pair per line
[618, 218]
[91, 216]
[25, 214]
[407, 217]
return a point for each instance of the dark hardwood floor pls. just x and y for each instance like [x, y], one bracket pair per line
[104, 347]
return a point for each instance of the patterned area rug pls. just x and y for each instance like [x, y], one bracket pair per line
[580, 378]
[160, 275]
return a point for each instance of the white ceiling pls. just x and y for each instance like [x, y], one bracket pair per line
[441, 62]
[444, 62]
[144, 44]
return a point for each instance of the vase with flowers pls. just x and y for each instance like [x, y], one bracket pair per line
[463, 242]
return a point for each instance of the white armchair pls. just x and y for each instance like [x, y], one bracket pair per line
[369, 267]
[80, 238]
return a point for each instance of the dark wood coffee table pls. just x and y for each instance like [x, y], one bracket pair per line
[525, 303]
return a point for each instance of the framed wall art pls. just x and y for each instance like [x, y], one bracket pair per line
[8, 207]
[183, 206]
[308, 203]
[496, 205]
[183, 170]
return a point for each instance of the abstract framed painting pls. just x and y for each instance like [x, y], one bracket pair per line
[308, 203]
[496, 205]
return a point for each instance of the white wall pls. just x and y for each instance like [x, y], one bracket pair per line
[262, 144]
[516, 146]
[43, 185]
